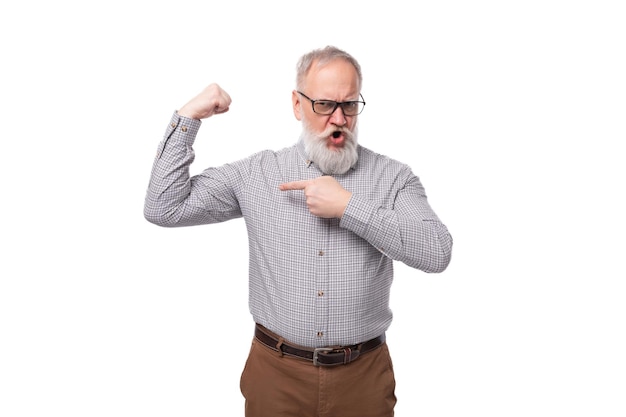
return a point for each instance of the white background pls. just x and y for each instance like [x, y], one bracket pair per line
[512, 114]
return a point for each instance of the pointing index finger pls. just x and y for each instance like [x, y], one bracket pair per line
[293, 185]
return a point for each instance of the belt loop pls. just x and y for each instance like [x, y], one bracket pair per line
[278, 346]
[347, 355]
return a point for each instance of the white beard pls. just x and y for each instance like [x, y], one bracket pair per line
[330, 161]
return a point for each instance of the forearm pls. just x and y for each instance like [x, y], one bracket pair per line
[170, 183]
[421, 242]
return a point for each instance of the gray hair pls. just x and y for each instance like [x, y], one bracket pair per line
[323, 56]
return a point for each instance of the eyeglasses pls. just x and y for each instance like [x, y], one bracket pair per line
[327, 107]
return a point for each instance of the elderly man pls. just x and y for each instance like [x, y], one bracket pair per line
[325, 218]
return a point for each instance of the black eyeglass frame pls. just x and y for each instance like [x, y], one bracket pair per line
[337, 104]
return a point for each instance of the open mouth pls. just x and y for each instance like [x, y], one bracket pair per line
[336, 134]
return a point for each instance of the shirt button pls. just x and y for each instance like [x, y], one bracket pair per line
[321, 253]
[320, 334]
[320, 293]
[184, 128]
[173, 124]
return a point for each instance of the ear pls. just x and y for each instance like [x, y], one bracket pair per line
[297, 104]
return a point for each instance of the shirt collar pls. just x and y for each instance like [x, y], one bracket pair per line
[302, 153]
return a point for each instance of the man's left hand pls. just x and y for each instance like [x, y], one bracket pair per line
[325, 197]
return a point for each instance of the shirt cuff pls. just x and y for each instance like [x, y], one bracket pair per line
[184, 128]
[357, 215]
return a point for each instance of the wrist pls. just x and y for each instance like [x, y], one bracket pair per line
[185, 112]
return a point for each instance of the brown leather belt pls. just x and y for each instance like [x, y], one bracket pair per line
[326, 356]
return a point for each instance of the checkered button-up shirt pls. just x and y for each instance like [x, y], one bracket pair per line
[314, 281]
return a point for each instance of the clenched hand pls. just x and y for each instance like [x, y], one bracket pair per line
[212, 100]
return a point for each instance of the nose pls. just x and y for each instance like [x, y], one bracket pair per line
[337, 117]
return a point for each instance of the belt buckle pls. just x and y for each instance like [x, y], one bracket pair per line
[316, 352]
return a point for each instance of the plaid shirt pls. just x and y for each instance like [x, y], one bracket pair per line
[314, 281]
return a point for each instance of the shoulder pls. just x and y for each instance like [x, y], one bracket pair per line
[374, 160]
[267, 158]
[269, 153]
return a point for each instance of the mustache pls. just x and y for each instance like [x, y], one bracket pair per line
[336, 131]
[350, 135]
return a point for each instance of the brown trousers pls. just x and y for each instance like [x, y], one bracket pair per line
[283, 386]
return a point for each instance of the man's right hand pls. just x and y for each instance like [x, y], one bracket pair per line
[212, 100]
